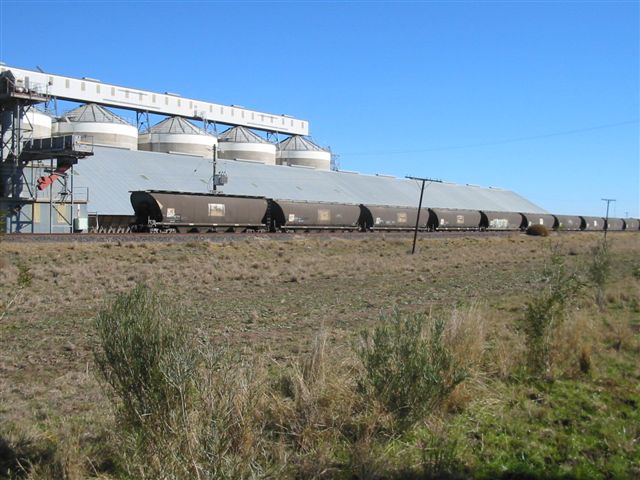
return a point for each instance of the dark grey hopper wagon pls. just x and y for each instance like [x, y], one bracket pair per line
[291, 215]
[547, 220]
[197, 212]
[631, 224]
[502, 221]
[614, 224]
[384, 217]
[453, 219]
[593, 223]
[569, 222]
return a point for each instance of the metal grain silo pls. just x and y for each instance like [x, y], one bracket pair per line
[36, 124]
[177, 135]
[33, 124]
[99, 126]
[239, 143]
[297, 150]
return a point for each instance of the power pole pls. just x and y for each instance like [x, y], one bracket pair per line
[423, 180]
[215, 160]
[606, 221]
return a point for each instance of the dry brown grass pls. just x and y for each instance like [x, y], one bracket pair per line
[574, 343]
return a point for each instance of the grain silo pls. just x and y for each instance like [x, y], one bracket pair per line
[177, 135]
[98, 126]
[297, 150]
[36, 124]
[239, 143]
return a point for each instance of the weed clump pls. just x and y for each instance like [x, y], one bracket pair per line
[546, 310]
[25, 278]
[312, 408]
[410, 369]
[537, 231]
[599, 271]
[146, 359]
[182, 412]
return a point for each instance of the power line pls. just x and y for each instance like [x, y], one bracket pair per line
[497, 142]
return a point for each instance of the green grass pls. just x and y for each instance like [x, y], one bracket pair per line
[564, 429]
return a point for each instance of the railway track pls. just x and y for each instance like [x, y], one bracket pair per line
[226, 237]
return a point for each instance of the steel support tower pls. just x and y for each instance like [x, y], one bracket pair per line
[18, 150]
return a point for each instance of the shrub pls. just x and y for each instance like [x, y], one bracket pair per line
[546, 310]
[537, 231]
[146, 359]
[182, 410]
[408, 369]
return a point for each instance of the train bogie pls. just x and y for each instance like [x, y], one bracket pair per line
[111, 223]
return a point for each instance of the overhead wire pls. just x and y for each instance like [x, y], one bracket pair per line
[497, 142]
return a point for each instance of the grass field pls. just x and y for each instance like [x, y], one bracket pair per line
[282, 309]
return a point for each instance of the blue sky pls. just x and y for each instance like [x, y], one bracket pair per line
[537, 97]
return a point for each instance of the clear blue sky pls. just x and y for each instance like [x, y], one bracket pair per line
[505, 94]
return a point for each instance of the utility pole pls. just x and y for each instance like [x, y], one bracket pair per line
[215, 159]
[423, 180]
[606, 221]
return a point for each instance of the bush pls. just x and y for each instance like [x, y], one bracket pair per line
[146, 359]
[546, 310]
[181, 411]
[408, 369]
[537, 231]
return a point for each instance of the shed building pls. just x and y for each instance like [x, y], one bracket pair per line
[110, 174]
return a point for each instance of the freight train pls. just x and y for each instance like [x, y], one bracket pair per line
[165, 211]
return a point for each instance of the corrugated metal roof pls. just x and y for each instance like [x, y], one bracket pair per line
[92, 113]
[240, 134]
[298, 142]
[176, 125]
[111, 173]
